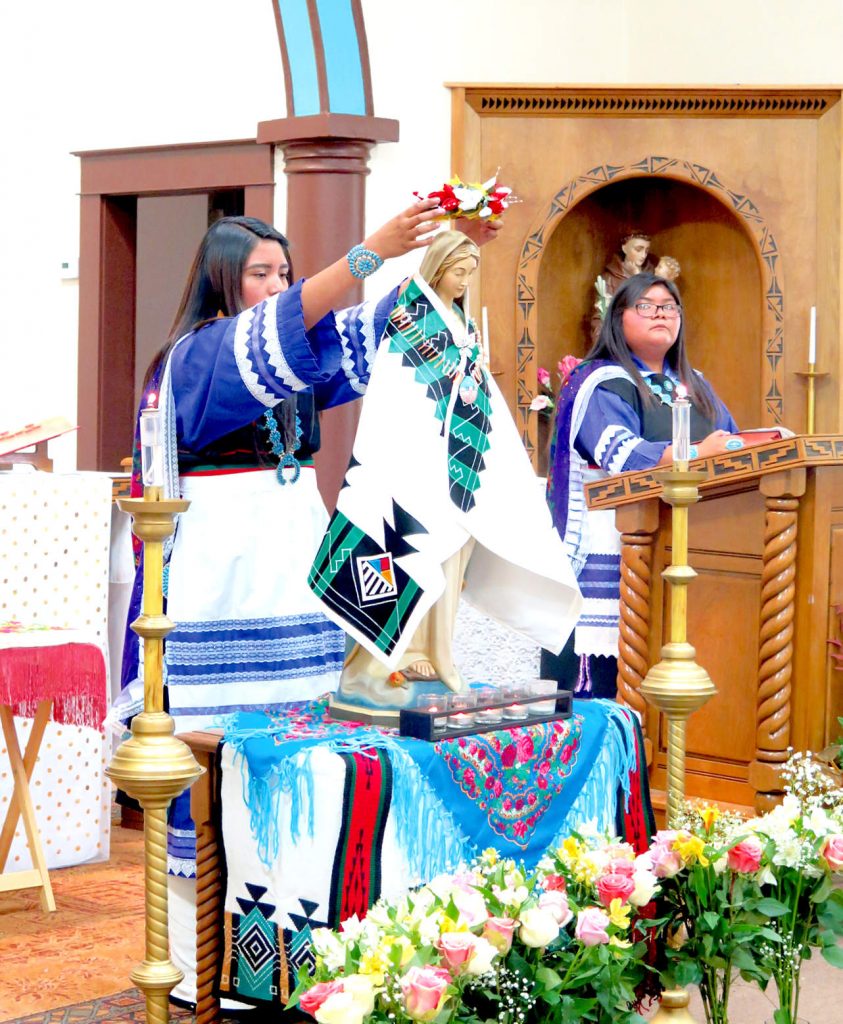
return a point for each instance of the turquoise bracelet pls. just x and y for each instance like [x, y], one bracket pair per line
[362, 262]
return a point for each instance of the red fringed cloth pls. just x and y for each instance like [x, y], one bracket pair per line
[40, 663]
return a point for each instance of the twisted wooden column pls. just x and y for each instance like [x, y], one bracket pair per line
[775, 659]
[634, 642]
[637, 525]
[204, 808]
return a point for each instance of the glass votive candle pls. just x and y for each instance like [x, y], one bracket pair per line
[461, 710]
[487, 695]
[433, 702]
[543, 707]
[513, 692]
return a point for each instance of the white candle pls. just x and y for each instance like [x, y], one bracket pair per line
[484, 316]
[681, 427]
[152, 448]
[812, 338]
[515, 711]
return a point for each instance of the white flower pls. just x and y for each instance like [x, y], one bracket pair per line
[511, 898]
[766, 876]
[362, 990]
[482, 957]
[471, 905]
[646, 887]
[819, 822]
[468, 198]
[788, 851]
[538, 927]
[330, 947]
[340, 1008]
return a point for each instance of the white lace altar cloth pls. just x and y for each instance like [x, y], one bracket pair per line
[486, 652]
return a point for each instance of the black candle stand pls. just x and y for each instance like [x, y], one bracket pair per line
[418, 723]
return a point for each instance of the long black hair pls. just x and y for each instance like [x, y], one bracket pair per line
[611, 342]
[214, 282]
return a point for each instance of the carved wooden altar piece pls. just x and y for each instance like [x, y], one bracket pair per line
[766, 541]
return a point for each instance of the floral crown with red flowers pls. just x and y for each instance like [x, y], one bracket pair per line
[460, 199]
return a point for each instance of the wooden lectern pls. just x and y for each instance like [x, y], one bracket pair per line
[766, 541]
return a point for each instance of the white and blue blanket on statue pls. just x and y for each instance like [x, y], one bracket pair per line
[437, 460]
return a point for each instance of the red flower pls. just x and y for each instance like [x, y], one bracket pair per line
[508, 755]
[447, 200]
[567, 754]
[541, 782]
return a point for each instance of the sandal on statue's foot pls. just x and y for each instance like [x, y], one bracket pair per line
[421, 670]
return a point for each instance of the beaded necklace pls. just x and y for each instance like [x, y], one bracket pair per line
[286, 459]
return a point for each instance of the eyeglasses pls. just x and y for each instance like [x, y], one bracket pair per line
[671, 310]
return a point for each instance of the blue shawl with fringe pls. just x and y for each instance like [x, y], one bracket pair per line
[520, 790]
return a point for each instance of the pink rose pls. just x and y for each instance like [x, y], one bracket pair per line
[614, 887]
[557, 903]
[565, 366]
[499, 931]
[666, 861]
[508, 755]
[832, 851]
[425, 991]
[311, 1000]
[456, 949]
[543, 377]
[555, 882]
[621, 866]
[745, 856]
[592, 927]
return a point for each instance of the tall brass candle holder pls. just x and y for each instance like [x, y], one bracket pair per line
[677, 685]
[811, 375]
[153, 766]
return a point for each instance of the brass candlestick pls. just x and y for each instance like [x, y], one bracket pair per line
[153, 766]
[811, 375]
[677, 686]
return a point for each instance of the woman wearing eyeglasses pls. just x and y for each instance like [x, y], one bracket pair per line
[614, 415]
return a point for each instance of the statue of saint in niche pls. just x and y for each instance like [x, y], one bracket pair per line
[634, 258]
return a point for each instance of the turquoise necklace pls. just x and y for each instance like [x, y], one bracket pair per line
[286, 459]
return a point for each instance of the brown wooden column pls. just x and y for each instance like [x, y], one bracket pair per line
[775, 658]
[637, 525]
[326, 159]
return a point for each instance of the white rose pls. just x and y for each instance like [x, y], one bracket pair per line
[482, 956]
[646, 887]
[362, 991]
[538, 927]
[340, 1008]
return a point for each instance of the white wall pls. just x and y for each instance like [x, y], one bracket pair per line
[104, 74]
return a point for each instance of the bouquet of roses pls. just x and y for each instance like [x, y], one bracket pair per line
[485, 200]
[491, 942]
[797, 853]
[709, 917]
